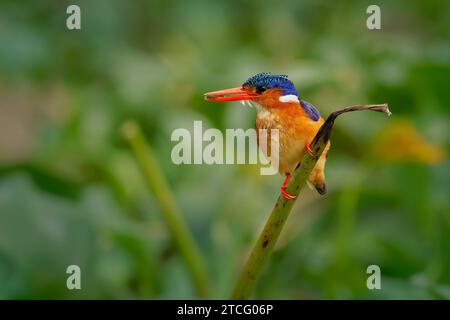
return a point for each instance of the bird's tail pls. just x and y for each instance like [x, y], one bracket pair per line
[320, 187]
[317, 176]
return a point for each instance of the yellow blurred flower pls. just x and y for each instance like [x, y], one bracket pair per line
[401, 142]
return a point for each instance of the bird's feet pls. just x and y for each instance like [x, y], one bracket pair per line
[284, 193]
[308, 149]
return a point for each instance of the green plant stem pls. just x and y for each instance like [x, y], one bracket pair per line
[266, 241]
[166, 199]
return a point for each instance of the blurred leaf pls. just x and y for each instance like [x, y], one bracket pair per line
[400, 141]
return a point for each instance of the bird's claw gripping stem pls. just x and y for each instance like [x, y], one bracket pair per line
[284, 193]
[308, 149]
[287, 195]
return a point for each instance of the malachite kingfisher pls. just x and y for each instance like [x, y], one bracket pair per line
[279, 106]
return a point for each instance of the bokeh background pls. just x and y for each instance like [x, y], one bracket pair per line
[72, 192]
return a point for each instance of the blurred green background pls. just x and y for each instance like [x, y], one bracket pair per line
[71, 191]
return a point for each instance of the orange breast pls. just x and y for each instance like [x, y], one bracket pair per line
[296, 129]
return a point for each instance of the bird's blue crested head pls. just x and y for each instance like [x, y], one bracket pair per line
[255, 87]
[264, 81]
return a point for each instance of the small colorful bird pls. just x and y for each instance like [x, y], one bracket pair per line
[279, 107]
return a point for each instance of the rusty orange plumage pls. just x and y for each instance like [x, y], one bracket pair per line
[279, 107]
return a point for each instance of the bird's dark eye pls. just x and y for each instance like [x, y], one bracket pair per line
[260, 89]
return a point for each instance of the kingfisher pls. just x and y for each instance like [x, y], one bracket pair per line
[279, 106]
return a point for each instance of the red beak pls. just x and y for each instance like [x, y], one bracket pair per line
[233, 94]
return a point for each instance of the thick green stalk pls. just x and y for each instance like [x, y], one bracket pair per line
[166, 199]
[272, 229]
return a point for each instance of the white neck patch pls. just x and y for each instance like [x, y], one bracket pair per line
[289, 98]
[252, 104]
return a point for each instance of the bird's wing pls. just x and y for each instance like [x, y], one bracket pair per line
[310, 110]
